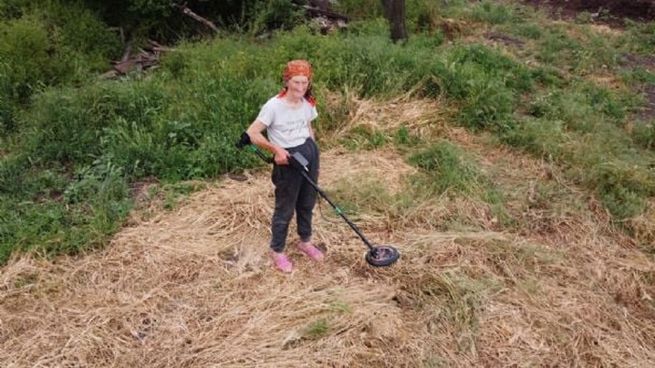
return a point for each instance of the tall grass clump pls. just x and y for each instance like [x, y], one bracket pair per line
[445, 170]
[557, 48]
[582, 106]
[541, 137]
[492, 12]
[7, 104]
[579, 50]
[485, 82]
[448, 169]
[644, 134]
[444, 162]
[639, 37]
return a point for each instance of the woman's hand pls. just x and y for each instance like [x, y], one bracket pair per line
[281, 156]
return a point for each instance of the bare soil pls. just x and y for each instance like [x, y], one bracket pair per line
[605, 11]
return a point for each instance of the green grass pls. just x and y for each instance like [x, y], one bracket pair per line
[448, 169]
[316, 329]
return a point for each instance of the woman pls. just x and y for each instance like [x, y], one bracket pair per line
[287, 119]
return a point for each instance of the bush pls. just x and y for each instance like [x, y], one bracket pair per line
[52, 45]
[24, 46]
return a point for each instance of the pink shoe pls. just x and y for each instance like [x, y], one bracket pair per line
[282, 262]
[311, 251]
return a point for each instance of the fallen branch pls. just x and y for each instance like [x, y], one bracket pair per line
[146, 58]
[185, 10]
[313, 11]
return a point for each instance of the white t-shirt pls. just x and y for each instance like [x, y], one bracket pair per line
[287, 126]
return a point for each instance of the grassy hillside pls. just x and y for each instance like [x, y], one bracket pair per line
[555, 89]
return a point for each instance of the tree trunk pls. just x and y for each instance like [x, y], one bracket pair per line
[394, 11]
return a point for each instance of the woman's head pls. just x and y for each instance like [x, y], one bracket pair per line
[297, 68]
[298, 80]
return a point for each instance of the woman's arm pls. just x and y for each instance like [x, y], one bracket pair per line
[281, 156]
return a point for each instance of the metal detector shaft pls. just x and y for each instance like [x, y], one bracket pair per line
[336, 209]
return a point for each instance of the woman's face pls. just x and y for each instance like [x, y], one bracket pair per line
[297, 86]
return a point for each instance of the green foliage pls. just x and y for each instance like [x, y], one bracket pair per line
[492, 12]
[583, 17]
[640, 37]
[403, 137]
[11, 9]
[136, 127]
[644, 134]
[638, 75]
[539, 136]
[43, 210]
[581, 126]
[556, 47]
[422, 16]
[360, 9]
[623, 188]
[527, 30]
[316, 329]
[276, 14]
[7, 103]
[582, 106]
[448, 169]
[24, 48]
[364, 137]
[52, 45]
[486, 82]
[584, 54]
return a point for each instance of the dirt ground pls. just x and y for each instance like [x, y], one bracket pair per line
[606, 11]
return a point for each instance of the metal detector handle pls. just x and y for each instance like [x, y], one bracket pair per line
[245, 141]
[259, 153]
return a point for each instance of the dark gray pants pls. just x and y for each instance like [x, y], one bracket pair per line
[294, 193]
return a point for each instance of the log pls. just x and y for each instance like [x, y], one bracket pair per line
[313, 11]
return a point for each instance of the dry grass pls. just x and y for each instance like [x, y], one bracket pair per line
[421, 117]
[192, 287]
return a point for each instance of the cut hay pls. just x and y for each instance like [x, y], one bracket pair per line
[423, 118]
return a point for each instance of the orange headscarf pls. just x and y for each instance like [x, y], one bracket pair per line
[295, 68]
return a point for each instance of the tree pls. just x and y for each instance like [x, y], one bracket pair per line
[394, 11]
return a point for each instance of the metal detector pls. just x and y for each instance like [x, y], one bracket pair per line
[377, 255]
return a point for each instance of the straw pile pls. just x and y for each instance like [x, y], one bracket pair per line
[193, 287]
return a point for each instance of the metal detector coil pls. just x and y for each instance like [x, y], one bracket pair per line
[382, 256]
